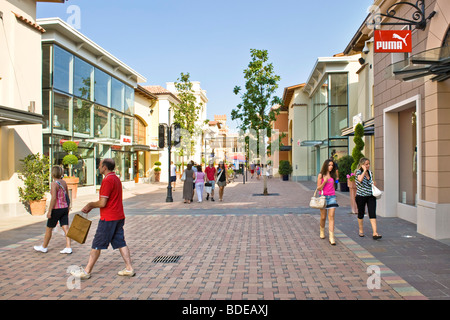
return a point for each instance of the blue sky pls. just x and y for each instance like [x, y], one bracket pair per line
[211, 39]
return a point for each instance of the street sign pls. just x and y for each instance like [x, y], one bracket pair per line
[391, 41]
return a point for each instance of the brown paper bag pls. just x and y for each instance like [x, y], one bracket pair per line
[79, 229]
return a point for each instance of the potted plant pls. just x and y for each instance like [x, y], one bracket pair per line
[157, 171]
[178, 165]
[285, 169]
[344, 165]
[359, 146]
[70, 160]
[35, 174]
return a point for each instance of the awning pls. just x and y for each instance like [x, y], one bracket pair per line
[15, 117]
[369, 129]
[285, 148]
[141, 147]
[434, 62]
[311, 143]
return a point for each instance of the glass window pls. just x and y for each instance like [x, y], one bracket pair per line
[117, 95]
[116, 125]
[46, 109]
[101, 87]
[61, 112]
[101, 123]
[139, 131]
[82, 116]
[128, 128]
[338, 89]
[46, 67]
[337, 120]
[129, 100]
[82, 81]
[61, 69]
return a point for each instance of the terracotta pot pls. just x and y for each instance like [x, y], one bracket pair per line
[37, 207]
[157, 175]
[352, 187]
[72, 184]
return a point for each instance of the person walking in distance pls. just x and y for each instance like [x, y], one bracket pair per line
[110, 226]
[325, 183]
[188, 183]
[199, 183]
[211, 174]
[58, 210]
[221, 179]
[364, 180]
[173, 175]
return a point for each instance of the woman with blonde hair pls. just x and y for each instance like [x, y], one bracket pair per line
[58, 210]
[364, 196]
[325, 183]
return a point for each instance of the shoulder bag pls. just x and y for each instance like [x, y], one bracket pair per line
[375, 191]
[65, 193]
[317, 202]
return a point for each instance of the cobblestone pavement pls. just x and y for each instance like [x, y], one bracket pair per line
[247, 247]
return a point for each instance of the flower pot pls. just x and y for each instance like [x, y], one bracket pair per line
[351, 184]
[37, 207]
[285, 177]
[344, 186]
[157, 175]
[72, 184]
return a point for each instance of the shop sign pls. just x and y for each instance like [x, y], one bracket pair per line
[126, 140]
[391, 41]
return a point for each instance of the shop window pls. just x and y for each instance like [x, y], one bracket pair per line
[82, 116]
[117, 95]
[61, 108]
[129, 100]
[101, 123]
[338, 89]
[62, 69]
[139, 131]
[116, 125]
[337, 120]
[82, 80]
[102, 85]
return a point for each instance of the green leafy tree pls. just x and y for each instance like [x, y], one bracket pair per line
[35, 173]
[359, 146]
[186, 113]
[255, 111]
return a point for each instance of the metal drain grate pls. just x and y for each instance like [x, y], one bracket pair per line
[166, 259]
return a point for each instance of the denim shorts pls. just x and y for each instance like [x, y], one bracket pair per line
[109, 232]
[331, 201]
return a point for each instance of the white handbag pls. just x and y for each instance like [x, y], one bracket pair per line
[375, 191]
[317, 202]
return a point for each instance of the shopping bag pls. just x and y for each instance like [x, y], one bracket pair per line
[317, 202]
[208, 187]
[79, 228]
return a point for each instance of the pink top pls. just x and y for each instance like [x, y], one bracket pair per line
[200, 177]
[328, 188]
[60, 198]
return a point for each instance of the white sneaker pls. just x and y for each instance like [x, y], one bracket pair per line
[66, 250]
[80, 273]
[40, 249]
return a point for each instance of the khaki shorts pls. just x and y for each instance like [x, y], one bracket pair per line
[221, 183]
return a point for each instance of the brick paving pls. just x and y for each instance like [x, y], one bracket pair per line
[245, 248]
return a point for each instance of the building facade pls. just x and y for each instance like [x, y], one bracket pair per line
[20, 96]
[412, 120]
[88, 97]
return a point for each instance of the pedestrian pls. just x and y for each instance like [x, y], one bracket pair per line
[258, 171]
[211, 174]
[199, 183]
[58, 210]
[221, 179]
[173, 175]
[364, 180]
[194, 168]
[333, 158]
[188, 184]
[325, 183]
[110, 226]
[252, 169]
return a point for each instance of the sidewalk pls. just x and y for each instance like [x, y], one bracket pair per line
[247, 247]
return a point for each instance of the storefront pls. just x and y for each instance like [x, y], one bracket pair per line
[86, 103]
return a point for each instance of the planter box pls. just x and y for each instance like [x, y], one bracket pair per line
[37, 207]
[72, 184]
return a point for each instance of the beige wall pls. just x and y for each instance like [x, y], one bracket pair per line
[20, 83]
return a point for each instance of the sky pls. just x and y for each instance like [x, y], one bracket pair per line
[211, 39]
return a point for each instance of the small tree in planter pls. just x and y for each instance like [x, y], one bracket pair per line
[359, 146]
[35, 174]
[70, 160]
[157, 171]
[285, 169]
[344, 164]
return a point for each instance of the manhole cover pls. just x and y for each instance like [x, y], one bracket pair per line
[166, 259]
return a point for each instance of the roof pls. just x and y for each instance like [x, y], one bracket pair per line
[289, 92]
[159, 90]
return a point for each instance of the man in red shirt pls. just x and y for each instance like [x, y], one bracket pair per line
[211, 178]
[112, 219]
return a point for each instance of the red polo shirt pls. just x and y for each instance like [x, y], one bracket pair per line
[111, 188]
[210, 172]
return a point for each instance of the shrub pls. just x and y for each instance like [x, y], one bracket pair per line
[359, 146]
[285, 168]
[345, 167]
[35, 174]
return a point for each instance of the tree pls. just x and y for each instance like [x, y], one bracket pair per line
[186, 113]
[255, 111]
[359, 146]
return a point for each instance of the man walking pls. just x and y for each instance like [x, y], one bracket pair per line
[112, 219]
[211, 178]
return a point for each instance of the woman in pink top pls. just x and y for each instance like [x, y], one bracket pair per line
[58, 210]
[199, 183]
[325, 183]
